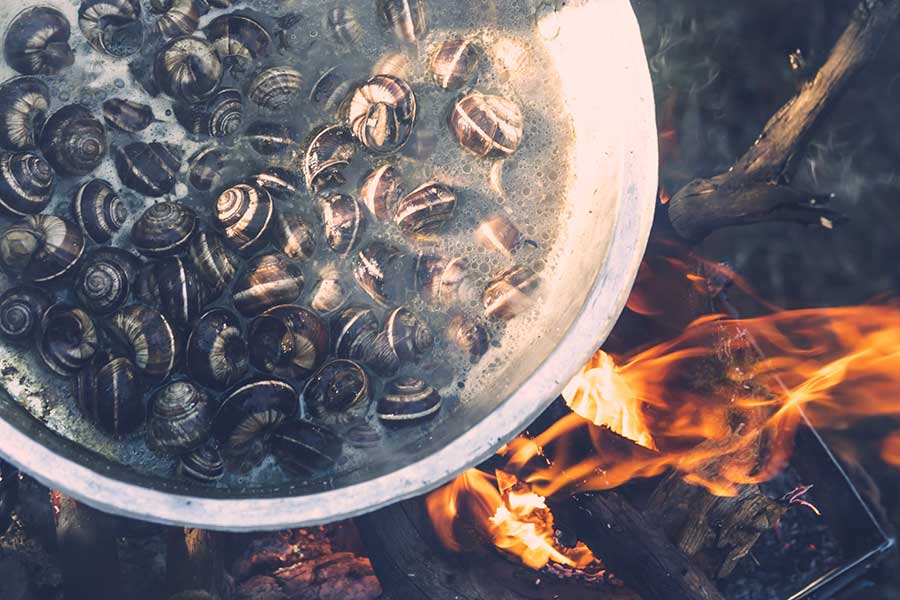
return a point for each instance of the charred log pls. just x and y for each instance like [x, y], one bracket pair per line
[195, 563]
[88, 552]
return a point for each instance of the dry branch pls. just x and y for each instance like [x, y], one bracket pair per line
[195, 562]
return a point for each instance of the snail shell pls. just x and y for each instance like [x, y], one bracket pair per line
[338, 393]
[407, 19]
[396, 64]
[67, 339]
[305, 449]
[40, 248]
[344, 221]
[164, 229]
[280, 182]
[443, 282]
[488, 126]
[276, 87]
[381, 272]
[110, 395]
[426, 210]
[175, 288]
[25, 104]
[408, 334]
[343, 26]
[497, 233]
[407, 400]
[382, 114]
[332, 89]
[455, 63]
[21, 309]
[220, 117]
[294, 236]
[181, 17]
[269, 139]
[37, 42]
[510, 293]
[205, 168]
[331, 293]
[288, 341]
[99, 210]
[216, 350]
[243, 213]
[188, 69]
[357, 336]
[127, 115]
[112, 26]
[149, 169]
[73, 141]
[468, 335]
[204, 465]
[381, 190]
[237, 37]
[26, 183]
[105, 280]
[214, 260]
[146, 337]
[251, 412]
[269, 280]
[328, 153]
[180, 417]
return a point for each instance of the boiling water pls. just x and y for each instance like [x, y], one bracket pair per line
[530, 188]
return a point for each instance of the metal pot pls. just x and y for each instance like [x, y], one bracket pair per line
[605, 81]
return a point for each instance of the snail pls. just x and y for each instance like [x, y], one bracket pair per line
[331, 293]
[455, 63]
[181, 17]
[344, 221]
[252, 412]
[216, 353]
[357, 336]
[294, 236]
[426, 210]
[443, 282]
[497, 233]
[382, 272]
[407, 400]
[206, 166]
[396, 64]
[332, 89]
[127, 115]
[382, 114]
[279, 181]
[328, 152]
[149, 169]
[468, 335]
[238, 38]
[173, 287]
[112, 26]
[268, 138]
[216, 263]
[268, 280]
[26, 183]
[37, 42]
[105, 280]
[146, 338]
[338, 393]
[243, 213]
[305, 448]
[509, 293]
[407, 334]
[73, 141]
[180, 417]
[487, 126]
[343, 25]
[288, 341]
[164, 229]
[110, 394]
[25, 104]
[41, 248]
[219, 117]
[407, 19]
[381, 191]
[99, 210]
[21, 309]
[204, 465]
[188, 69]
[276, 87]
[67, 339]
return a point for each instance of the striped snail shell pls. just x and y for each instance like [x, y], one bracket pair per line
[305, 449]
[181, 17]
[105, 280]
[73, 141]
[26, 183]
[164, 229]
[236, 37]
[497, 233]
[173, 287]
[344, 221]
[407, 400]
[357, 335]
[343, 25]
[408, 334]
[180, 417]
[243, 213]
[406, 19]
[426, 210]
[510, 293]
[110, 394]
[288, 341]
[251, 412]
[269, 138]
[188, 69]
[25, 102]
[67, 339]
[338, 393]
[268, 280]
[276, 87]
[112, 26]
[455, 63]
[220, 117]
[149, 169]
[146, 338]
[214, 260]
[328, 153]
[381, 270]
[468, 335]
[21, 309]
[37, 42]
[99, 210]
[396, 64]
[216, 351]
[41, 248]
[382, 114]
[331, 293]
[381, 190]
[443, 282]
[279, 181]
[205, 168]
[203, 465]
[487, 126]
[127, 115]
[294, 236]
[332, 89]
